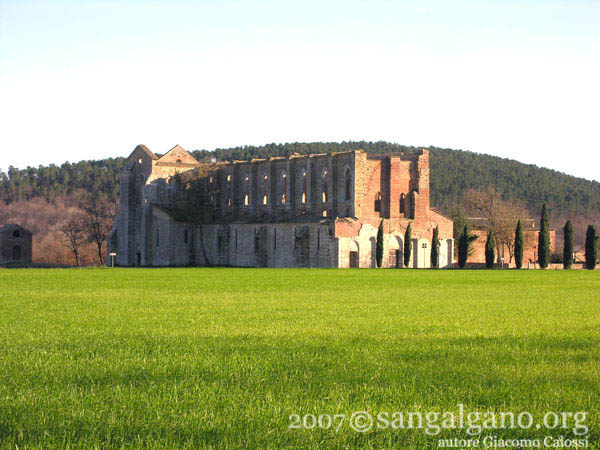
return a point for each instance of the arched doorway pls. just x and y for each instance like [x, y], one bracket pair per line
[16, 253]
[395, 252]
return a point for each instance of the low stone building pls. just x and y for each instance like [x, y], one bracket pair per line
[319, 210]
[15, 244]
[531, 232]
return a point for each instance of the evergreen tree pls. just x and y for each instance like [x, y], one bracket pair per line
[407, 245]
[464, 244]
[568, 245]
[379, 245]
[544, 239]
[519, 245]
[489, 250]
[591, 248]
[435, 248]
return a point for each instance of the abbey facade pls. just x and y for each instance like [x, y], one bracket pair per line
[320, 210]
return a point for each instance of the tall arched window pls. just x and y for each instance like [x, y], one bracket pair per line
[325, 185]
[402, 203]
[348, 180]
[284, 185]
[304, 187]
[378, 202]
[247, 193]
[266, 189]
[228, 189]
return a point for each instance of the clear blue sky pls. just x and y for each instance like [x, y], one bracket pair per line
[90, 79]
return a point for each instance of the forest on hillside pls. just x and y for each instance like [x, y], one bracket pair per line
[39, 198]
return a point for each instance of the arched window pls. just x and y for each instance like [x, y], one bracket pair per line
[266, 190]
[378, 202]
[304, 187]
[284, 185]
[402, 204]
[16, 253]
[178, 161]
[325, 186]
[348, 181]
[247, 193]
[185, 236]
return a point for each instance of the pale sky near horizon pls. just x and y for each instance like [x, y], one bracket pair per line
[92, 79]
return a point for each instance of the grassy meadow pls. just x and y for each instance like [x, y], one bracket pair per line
[220, 358]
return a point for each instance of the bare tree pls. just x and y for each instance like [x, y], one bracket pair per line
[98, 213]
[502, 216]
[74, 236]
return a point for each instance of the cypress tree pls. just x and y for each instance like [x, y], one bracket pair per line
[544, 239]
[464, 244]
[435, 248]
[591, 248]
[379, 245]
[407, 245]
[489, 250]
[568, 246]
[519, 245]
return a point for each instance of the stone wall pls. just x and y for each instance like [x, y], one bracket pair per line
[266, 245]
[364, 242]
[278, 188]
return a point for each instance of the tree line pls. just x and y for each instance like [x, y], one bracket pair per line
[453, 172]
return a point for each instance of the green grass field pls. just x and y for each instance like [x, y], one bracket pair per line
[170, 358]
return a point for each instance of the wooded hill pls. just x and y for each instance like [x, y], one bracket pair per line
[453, 172]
